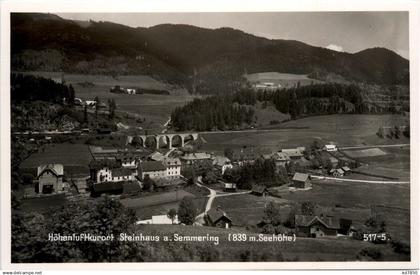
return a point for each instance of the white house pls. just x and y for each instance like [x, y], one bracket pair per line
[159, 219]
[330, 148]
[49, 179]
[173, 167]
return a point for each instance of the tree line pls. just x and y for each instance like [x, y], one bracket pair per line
[315, 99]
[215, 112]
[28, 87]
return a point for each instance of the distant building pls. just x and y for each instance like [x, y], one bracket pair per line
[173, 167]
[110, 171]
[337, 172]
[294, 153]
[246, 155]
[259, 190]
[49, 179]
[281, 159]
[217, 218]
[154, 169]
[301, 180]
[330, 148]
[222, 163]
[229, 187]
[193, 158]
[316, 226]
[159, 219]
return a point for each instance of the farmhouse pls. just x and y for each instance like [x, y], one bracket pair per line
[127, 160]
[159, 219]
[330, 148]
[49, 179]
[222, 163]
[259, 190]
[301, 180]
[229, 187]
[154, 169]
[173, 167]
[337, 172]
[217, 218]
[294, 153]
[123, 174]
[316, 226]
[196, 158]
[110, 171]
[281, 159]
[245, 155]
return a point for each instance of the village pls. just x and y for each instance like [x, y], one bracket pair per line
[133, 173]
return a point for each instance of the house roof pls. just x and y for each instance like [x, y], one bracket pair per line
[196, 156]
[300, 177]
[306, 221]
[172, 162]
[340, 171]
[156, 156]
[258, 188]
[295, 152]
[220, 160]
[215, 214]
[249, 153]
[345, 168]
[280, 156]
[120, 172]
[149, 166]
[55, 168]
[101, 163]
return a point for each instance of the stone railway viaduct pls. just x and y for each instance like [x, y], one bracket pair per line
[159, 140]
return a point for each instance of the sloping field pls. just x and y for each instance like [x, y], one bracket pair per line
[284, 79]
[371, 152]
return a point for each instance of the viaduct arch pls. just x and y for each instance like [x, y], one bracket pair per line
[162, 139]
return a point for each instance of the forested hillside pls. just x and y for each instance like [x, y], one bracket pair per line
[204, 60]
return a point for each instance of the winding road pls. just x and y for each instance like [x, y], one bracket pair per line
[199, 220]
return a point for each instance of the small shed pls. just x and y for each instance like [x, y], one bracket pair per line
[301, 180]
[259, 190]
[346, 169]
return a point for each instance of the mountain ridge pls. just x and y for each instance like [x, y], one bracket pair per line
[183, 53]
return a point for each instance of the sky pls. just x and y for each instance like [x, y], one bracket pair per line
[340, 31]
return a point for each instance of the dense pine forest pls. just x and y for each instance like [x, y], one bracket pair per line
[27, 87]
[216, 112]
